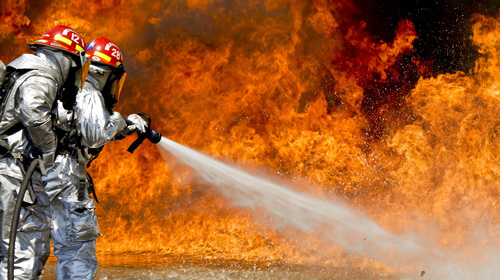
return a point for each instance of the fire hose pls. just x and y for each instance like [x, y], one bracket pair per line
[153, 135]
[150, 134]
[17, 210]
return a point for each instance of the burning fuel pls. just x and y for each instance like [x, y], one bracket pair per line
[348, 109]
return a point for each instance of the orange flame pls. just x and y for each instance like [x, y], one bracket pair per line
[297, 88]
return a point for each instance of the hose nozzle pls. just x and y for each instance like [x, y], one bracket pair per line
[155, 139]
[152, 135]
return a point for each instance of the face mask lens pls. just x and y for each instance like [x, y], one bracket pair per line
[81, 74]
[117, 86]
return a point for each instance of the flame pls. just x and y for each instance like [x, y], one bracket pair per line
[451, 147]
[300, 90]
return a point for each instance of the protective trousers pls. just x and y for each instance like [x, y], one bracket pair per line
[32, 246]
[74, 222]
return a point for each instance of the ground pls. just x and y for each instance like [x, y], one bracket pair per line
[157, 267]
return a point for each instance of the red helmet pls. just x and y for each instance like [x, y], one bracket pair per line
[61, 37]
[64, 38]
[102, 50]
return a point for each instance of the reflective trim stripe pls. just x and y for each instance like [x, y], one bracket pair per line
[78, 48]
[103, 56]
[62, 39]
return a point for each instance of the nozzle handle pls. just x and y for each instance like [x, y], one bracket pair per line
[153, 135]
[135, 144]
[147, 117]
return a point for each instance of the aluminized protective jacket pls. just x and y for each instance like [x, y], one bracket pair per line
[95, 123]
[2, 72]
[29, 103]
[74, 222]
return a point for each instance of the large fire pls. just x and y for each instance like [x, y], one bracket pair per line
[300, 90]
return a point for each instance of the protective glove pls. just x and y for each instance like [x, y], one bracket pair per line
[136, 123]
[64, 116]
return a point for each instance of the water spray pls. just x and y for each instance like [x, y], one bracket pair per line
[152, 135]
[336, 221]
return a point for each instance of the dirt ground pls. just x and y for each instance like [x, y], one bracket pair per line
[158, 267]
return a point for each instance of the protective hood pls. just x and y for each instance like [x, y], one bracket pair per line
[60, 62]
[97, 77]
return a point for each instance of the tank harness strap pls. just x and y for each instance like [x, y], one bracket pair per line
[82, 176]
[95, 153]
[91, 187]
[69, 144]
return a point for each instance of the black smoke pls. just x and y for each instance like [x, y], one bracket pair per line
[443, 27]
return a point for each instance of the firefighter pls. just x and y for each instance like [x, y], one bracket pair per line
[82, 133]
[26, 129]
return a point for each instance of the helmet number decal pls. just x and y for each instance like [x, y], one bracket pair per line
[116, 53]
[75, 38]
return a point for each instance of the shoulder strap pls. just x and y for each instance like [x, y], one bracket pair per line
[82, 176]
[9, 77]
[12, 75]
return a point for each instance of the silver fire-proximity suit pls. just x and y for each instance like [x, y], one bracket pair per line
[74, 222]
[2, 72]
[26, 126]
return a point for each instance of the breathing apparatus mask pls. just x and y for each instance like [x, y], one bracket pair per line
[113, 85]
[75, 80]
